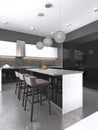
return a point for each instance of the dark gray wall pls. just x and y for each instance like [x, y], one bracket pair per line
[7, 35]
[83, 31]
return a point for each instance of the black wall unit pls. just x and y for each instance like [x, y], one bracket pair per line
[88, 45]
[90, 50]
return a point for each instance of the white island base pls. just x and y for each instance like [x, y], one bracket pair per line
[72, 93]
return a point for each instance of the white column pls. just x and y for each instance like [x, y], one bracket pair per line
[72, 97]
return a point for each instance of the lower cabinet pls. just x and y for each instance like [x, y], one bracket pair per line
[8, 76]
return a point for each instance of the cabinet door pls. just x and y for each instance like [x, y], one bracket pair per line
[78, 55]
[7, 48]
[66, 53]
[46, 52]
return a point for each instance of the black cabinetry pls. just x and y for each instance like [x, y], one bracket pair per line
[8, 76]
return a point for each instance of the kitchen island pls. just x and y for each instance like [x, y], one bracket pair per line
[72, 87]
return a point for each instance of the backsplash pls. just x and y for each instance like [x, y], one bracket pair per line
[25, 62]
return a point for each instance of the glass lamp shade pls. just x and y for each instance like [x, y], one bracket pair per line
[47, 42]
[39, 45]
[59, 37]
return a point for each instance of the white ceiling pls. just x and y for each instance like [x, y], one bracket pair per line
[21, 15]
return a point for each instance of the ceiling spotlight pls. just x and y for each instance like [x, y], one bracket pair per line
[5, 22]
[48, 5]
[96, 9]
[52, 33]
[68, 24]
[32, 28]
[40, 14]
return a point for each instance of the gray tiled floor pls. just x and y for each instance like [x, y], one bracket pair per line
[13, 117]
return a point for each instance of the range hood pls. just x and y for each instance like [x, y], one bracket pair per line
[20, 48]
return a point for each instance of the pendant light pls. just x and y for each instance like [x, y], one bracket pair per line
[47, 42]
[59, 36]
[39, 45]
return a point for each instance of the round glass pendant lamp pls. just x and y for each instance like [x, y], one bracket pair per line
[39, 45]
[59, 36]
[47, 42]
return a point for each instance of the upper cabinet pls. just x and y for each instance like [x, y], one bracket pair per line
[46, 52]
[20, 49]
[7, 48]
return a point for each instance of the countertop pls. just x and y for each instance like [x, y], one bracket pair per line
[55, 72]
[27, 67]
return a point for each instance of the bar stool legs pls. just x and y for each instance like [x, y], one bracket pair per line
[48, 96]
[25, 104]
[32, 105]
[24, 89]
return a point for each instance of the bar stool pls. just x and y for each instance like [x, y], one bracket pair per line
[25, 87]
[21, 83]
[17, 81]
[37, 86]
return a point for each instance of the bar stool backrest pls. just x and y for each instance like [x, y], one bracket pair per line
[25, 77]
[21, 77]
[16, 74]
[30, 81]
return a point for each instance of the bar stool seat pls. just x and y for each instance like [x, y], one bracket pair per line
[37, 86]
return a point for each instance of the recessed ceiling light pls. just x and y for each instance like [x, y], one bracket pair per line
[40, 14]
[52, 33]
[48, 5]
[5, 22]
[96, 9]
[68, 24]
[32, 28]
